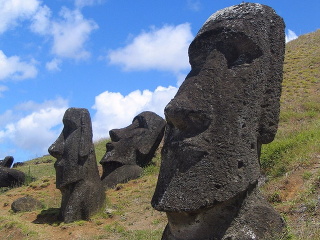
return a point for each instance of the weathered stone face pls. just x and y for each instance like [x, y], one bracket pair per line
[131, 148]
[77, 173]
[7, 162]
[225, 109]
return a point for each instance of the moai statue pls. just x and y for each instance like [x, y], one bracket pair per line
[77, 174]
[7, 162]
[131, 148]
[227, 107]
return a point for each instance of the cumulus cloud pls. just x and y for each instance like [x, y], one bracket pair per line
[13, 68]
[291, 35]
[160, 49]
[11, 11]
[69, 33]
[113, 110]
[37, 130]
[40, 22]
[53, 65]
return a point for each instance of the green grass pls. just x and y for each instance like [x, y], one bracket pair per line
[290, 150]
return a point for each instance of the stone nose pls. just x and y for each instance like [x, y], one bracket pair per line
[57, 148]
[187, 118]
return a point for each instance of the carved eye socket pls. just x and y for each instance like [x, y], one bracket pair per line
[142, 123]
[69, 128]
[237, 47]
[238, 50]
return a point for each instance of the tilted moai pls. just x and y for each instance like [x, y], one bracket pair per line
[131, 148]
[227, 107]
[77, 174]
[7, 162]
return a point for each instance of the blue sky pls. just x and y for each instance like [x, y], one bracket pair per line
[116, 58]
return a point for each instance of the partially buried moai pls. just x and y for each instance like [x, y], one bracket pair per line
[131, 148]
[77, 174]
[227, 107]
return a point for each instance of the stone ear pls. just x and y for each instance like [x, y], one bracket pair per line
[86, 136]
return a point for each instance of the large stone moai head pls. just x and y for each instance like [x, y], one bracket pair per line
[77, 173]
[225, 109]
[131, 148]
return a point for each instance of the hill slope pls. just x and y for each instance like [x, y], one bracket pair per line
[291, 165]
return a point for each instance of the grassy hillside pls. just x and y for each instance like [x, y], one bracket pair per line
[290, 164]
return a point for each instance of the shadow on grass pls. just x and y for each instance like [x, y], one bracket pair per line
[48, 216]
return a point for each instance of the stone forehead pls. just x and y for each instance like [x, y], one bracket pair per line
[234, 12]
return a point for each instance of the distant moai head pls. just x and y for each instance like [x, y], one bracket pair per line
[225, 109]
[73, 147]
[139, 138]
[133, 145]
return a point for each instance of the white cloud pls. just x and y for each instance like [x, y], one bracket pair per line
[13, 10]
[41, 20]
[84, 3]
[161, 49]
[291, 36]
[37, 130]
[13, 68]
[53, 65]
[3, 89]
[71, 33]
[113, 110]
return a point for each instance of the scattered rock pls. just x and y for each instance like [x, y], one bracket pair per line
[26, 204]
[18, 164]
[11, 177]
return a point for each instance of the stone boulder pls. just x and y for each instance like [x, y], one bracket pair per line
[26, 204]
[227, 107]
[7, 162]
[131, 148]
[11, 177]
[77, 174]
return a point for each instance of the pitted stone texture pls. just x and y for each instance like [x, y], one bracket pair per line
[227, 107]
[26, 204]
[131, 148]
[77, 174]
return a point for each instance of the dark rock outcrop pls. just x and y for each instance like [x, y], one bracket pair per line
[7, 162]
[18, 164]
[11, 177]
[26, 204]
[131, 148]
[227, 107]
[77, 174]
